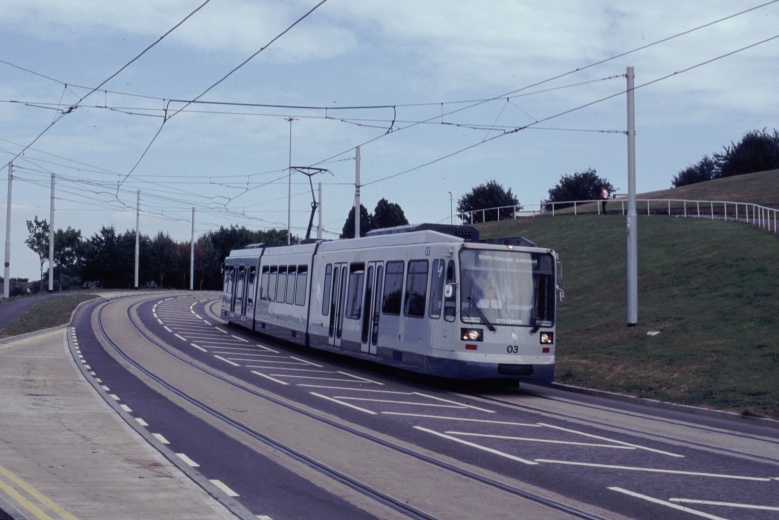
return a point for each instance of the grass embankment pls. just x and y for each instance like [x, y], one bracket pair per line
[710, 287]
[757, 188]
[46, 314]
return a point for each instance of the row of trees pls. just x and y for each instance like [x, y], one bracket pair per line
[586, 185]
[107, 258]
[756, 152]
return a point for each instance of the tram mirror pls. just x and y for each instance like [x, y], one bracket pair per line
[449, 290]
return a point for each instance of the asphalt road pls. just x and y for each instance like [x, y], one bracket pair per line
[275, 432]
[600, 457]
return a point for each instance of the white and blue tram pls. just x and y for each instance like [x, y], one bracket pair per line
[431, 299]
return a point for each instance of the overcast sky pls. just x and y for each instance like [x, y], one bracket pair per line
[441, 96]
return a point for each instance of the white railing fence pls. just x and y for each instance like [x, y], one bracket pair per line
[754, 214]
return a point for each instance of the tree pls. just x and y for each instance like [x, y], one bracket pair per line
[110, 258]
[163, 256]
[38, 241]
[68, 251]
[387, 214]
[366, 223]
[704, 170]
[212, 248]
[757, 151]
[486, 196]
[584, 185]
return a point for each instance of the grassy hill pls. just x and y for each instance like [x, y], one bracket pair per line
[758, 188]
[711, 289]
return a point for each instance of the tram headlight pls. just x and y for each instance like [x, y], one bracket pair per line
[547, 338]
[471, 335]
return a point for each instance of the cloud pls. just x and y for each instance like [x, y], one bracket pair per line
[241, 27]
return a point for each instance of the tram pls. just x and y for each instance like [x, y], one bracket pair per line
[430, 298]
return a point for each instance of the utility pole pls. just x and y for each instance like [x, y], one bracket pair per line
[632, 216]
[51, 238]
[192, 255]
[137, 234]
[7, 271]
[289, 183]
[319, 227]
[357, 192]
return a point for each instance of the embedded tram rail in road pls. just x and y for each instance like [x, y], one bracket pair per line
[394, 447]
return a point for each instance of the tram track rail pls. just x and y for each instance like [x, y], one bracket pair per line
[714, 432]
[237, 426]
[720, 423]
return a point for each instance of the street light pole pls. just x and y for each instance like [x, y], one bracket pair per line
[450, 209]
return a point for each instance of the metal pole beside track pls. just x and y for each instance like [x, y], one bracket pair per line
[7, 268]
[632, 218]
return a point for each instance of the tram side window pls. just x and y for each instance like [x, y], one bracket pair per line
[228, 281]
[327, 287]
[274, 276]
[239, 285]
[450, 303]
[264, 280]
[251, 281]
[416, 288]
[291, 277]
[300, 287]
[393, 285]
[437, 287]
[545, 290]
[354, 302]
[281, 288]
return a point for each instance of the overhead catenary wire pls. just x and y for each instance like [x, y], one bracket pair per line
[218, 82]
[121, 69]
[480, 101]
[569, 111]
[514, 129]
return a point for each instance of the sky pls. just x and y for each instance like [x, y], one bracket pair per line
[181, 104]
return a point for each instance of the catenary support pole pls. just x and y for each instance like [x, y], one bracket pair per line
[319, 227]
[51, 237]
[7, 270]
[289, 184]
[357, 192]
[137, 235]
[632, 216]
[192, 255]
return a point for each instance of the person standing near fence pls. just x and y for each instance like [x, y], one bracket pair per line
[604, 195]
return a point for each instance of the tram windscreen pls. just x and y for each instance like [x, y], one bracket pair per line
[508, 287]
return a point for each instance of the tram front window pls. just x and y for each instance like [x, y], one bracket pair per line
[507, 288]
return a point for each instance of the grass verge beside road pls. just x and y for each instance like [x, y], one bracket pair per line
[710, 288]
[46, 314]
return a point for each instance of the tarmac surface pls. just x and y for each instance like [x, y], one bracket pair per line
[64, 451]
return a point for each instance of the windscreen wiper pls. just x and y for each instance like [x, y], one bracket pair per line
[481, 315]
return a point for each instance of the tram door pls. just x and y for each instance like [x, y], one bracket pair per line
[370, 318]
[337, 304]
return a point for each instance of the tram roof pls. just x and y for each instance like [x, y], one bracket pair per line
[398, 239]
[399, 236]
